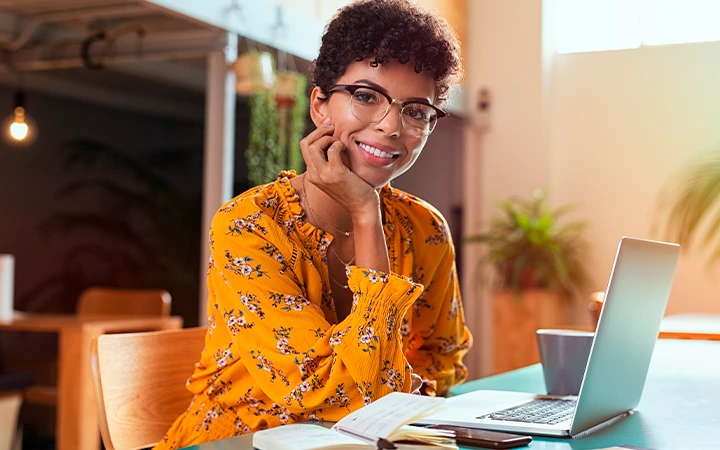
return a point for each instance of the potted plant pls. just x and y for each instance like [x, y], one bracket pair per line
[255, 72]
[689, 206]
[535, 266]
[118, 216]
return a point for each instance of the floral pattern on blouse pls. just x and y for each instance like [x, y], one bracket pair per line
[275, 352]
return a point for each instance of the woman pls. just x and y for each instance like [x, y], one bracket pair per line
[331, 289]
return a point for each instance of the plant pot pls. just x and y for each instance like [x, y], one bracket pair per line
[515, 321]
[286, 88]
[254, 72]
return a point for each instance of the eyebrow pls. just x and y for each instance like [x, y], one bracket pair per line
[382, 89]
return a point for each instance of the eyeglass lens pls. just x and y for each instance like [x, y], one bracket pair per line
[371, 106]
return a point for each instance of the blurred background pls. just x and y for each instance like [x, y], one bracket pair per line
[129, 122]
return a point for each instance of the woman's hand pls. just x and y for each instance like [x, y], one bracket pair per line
[333, 177]
[358, 198]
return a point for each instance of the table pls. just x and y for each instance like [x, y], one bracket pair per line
[691, 326]
[678, 409]
[679, 326]
[76, 426]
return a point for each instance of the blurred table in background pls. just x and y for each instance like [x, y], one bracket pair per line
[77, 427]
[691, 326]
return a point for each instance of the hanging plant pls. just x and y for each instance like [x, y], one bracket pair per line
[296, 127]
[278, 120]
[263, 155]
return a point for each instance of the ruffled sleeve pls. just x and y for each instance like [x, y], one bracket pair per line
[380, 301]
[301, 361]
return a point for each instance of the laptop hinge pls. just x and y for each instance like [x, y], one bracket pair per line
[602, 425]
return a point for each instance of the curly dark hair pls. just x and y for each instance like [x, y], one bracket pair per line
[384, 30]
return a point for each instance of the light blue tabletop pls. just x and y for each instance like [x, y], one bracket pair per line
[679, 409]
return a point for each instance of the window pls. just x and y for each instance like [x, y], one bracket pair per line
[596, 25]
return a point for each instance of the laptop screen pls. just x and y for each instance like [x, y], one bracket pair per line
[635, 301]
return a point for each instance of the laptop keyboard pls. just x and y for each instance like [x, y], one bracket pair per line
[543, 411]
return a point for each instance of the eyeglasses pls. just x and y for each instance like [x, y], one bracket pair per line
[370, 105]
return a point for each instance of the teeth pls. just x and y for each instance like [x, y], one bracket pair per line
[375, 151]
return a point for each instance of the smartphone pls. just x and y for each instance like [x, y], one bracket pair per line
[485, 438]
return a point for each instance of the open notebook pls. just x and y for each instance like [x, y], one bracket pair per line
[381, 424]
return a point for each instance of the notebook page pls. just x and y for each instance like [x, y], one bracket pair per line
[302, 436]
[380, 418]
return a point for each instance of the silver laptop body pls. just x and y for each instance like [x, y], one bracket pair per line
[635, 301]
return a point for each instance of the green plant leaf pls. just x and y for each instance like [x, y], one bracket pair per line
[526, 244]
[690, 202]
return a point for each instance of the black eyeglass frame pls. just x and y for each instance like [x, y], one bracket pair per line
[351, 88]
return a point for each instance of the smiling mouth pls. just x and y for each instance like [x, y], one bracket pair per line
[377, 152]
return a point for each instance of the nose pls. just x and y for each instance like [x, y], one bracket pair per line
[391, 124]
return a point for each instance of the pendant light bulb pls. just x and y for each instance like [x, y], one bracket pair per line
[18, 128]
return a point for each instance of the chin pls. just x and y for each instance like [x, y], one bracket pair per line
[375, 177]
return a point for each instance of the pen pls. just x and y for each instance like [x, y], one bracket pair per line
[382, 443]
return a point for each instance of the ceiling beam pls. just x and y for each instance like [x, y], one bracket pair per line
[94, 94]
[84, 14]
[157, 46]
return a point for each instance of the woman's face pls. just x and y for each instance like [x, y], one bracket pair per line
[388, 135]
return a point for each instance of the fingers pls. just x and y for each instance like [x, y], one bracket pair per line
[334, 157]
[332, 171]
[314, 144]
[323, 156]
[314, 153]
[316, 134]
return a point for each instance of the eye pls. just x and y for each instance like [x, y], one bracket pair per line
[366, 96]
[420, 112]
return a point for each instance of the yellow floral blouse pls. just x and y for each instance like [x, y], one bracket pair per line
[275, 352]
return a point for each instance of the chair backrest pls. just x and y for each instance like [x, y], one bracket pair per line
[140, 383]
[10, 402]
[133, 302]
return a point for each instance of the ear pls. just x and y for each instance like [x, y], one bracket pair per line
[318, 106]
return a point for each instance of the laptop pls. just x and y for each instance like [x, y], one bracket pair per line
[635, 301]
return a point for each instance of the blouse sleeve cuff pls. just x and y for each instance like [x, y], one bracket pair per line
[389, 288]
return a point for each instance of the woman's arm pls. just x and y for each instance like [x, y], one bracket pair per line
[437, 356]
[293, 354]
[326, 170]
[370, 246]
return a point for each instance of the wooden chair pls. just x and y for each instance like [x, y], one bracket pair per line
[108, 301]
[11, 395]
[140, 383]
[10, 403]
[132, 302]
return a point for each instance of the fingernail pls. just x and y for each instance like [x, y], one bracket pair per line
[326, 121]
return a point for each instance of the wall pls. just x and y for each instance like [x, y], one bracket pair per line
[600, 130]
[436, 176]
[505, 56]
[621, 125]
